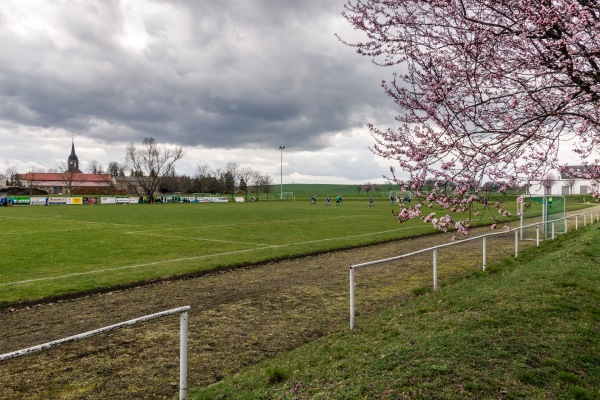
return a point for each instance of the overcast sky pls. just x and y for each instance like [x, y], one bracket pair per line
[226, 80]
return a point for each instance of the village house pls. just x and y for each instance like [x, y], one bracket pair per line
[69, 181]
[563, 184]
[4, 182]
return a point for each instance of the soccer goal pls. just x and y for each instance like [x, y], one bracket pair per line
[550, 211]
[288, 196]
[400, 195]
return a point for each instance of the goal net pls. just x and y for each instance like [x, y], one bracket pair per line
[548, 211]
[400, 195]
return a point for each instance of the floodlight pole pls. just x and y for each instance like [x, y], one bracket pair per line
[281, 172]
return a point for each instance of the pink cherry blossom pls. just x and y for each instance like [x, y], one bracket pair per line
[486, 90]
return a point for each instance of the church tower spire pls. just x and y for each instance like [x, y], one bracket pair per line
[73, 159]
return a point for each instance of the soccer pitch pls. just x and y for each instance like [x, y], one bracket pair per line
[57, 250]
[60, 250]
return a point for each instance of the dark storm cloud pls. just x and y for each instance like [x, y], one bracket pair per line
[224, 74]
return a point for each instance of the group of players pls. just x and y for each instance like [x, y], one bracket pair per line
[339, 200]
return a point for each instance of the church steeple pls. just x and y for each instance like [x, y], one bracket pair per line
[73, 159]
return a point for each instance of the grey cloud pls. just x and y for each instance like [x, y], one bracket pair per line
[224, 74]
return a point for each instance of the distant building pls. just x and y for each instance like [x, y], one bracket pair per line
[68, 181]
[65, 182]
[565, 184]
[4, 182]
[73, 160]
[128, 184]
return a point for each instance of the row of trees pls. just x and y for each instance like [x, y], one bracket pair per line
[153, 167]
[367, 187]
[228, 180]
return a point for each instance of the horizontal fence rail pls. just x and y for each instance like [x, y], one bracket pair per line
[183, 335]
[481, 237]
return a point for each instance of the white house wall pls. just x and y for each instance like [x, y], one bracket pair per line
[562, 188]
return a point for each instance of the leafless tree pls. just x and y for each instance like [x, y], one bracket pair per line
[29, 178]
[95, 167]
[266, 183]
[246, 174]
[115, 169]
[202, 174]
[256, 179]
[202, 171]
[151, 163]
[571, 183]
[12, 175]
[232, 168]
[71, 178]
[547, 181]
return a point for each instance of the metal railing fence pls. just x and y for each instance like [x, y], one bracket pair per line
[434, 249]
[183, 338]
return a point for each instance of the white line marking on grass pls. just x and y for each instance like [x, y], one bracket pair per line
[236, 224]
[202, 256]
[96, 222]
[200, 239]
[129, 267]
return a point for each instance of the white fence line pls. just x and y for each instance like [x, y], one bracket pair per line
[183, 335]
[434, 251]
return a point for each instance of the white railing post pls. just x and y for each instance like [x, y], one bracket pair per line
[183, 341]
[183, 355]
[484, 251]
[584, 220]
[576, 222]
[522, 218]
[516, 244]
[435, 269]
[552, 230]
[351, 298]
[537, 236]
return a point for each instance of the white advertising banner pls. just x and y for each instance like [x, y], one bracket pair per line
[38, 201]
[57, 200]
[108, 200]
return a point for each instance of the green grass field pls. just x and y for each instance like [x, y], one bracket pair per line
[60, 250]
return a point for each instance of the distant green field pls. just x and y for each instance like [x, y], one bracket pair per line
[58, 250]
[331, 190]
[303, 191]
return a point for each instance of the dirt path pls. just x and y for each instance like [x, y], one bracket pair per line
[237, 318]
